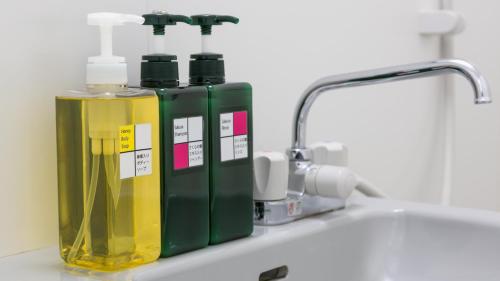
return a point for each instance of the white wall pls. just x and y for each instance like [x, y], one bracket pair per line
[394, 132]
[477, 165]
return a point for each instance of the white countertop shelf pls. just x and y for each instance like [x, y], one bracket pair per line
[371, 240]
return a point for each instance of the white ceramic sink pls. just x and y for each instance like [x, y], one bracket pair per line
[371, 240]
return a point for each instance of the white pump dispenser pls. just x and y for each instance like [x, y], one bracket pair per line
[106, 68]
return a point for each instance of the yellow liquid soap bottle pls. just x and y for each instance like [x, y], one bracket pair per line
[108, 164]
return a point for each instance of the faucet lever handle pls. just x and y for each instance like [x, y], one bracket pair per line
[270, 176]
[329, 153]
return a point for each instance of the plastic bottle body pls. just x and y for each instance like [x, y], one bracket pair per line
[231, 167]
[108, 177]
[185, 168]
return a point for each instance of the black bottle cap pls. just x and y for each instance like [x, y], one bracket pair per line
[206, 68]
[159, 71]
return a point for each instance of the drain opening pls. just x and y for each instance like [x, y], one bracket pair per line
[274, 274]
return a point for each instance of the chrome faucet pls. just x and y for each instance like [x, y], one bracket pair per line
[299, 203]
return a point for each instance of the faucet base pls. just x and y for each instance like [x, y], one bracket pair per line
[294, 207]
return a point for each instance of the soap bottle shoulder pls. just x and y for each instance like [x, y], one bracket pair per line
[233, 86]
[108, 93]
[183, 89]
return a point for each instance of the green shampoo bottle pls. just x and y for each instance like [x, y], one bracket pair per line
[231, 139]
[184, 146]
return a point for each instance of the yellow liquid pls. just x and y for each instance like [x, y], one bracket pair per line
[105, 223]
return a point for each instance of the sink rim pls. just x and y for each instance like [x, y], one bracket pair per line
[45, 263]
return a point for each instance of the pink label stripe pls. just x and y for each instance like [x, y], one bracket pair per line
[240, 123]
[181, 156]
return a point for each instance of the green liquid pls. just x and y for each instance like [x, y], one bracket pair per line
[231, 182]
[185, 197]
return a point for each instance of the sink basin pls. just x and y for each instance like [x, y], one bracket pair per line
[371, 240]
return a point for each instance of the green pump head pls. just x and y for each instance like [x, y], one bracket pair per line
[160, 70]
[207, 21]
[160, 19]
[207, 67]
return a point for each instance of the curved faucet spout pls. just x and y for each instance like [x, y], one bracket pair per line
[376, 76]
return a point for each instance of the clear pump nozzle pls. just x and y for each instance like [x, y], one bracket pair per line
[106, 68]
[206, 22]
[159, 20]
